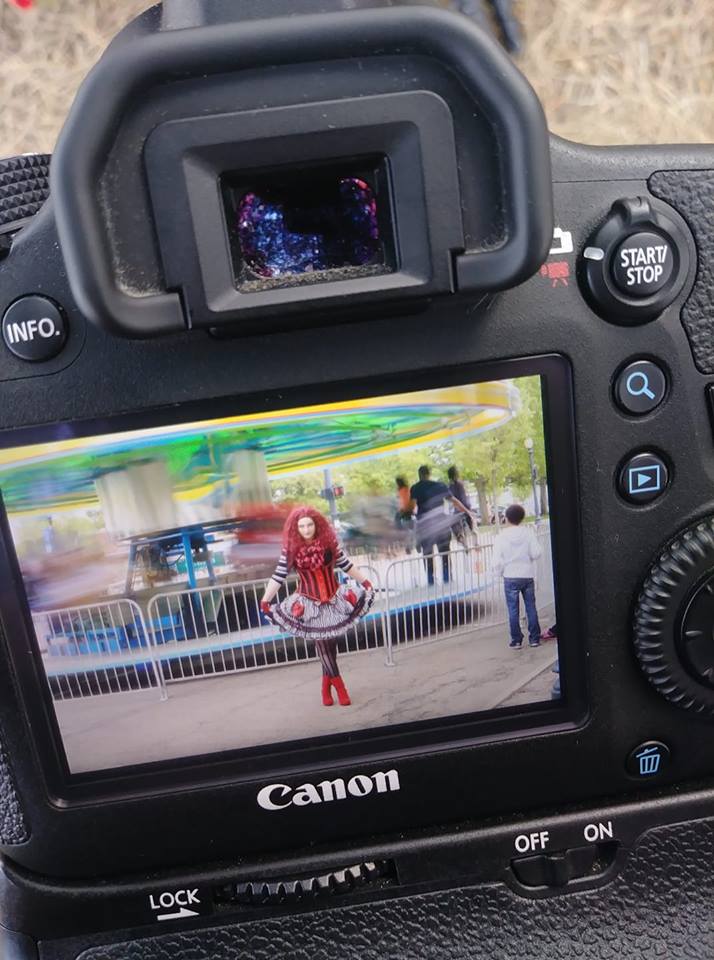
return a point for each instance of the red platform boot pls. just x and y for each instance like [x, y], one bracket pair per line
[326, 695]
[342, 695]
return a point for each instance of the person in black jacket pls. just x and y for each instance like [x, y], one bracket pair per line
[433, 526]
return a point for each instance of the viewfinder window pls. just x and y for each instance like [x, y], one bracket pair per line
[295, 226]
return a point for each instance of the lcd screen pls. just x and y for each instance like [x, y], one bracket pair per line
[270, 578]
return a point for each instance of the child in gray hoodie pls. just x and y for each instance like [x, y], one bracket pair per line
[514, 555]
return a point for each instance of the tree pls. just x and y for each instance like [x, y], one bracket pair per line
[303, 488]
[498, 459]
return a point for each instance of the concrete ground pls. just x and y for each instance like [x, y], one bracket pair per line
[536, 690]
[456, 675]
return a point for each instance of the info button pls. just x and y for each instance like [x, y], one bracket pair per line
[34, 329]
[640, 387]
[643, 478]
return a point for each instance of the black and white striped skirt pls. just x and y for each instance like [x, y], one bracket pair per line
[315, 620]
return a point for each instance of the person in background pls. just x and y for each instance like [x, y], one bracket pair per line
[49, 537]
[404, 499]
[514, 555]
[433, 526]
[458, 492]
[405, 512]
[373, 515]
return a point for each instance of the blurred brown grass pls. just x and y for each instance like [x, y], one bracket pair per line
[623, 71]
[608, 71]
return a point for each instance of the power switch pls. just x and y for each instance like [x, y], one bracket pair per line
[566, 866]
[544, 870]
[531, 871]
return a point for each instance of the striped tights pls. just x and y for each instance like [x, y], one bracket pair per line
[327, 651]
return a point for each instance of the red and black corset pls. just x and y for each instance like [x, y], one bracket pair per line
[319, 584]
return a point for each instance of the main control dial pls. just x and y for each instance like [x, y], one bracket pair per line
[674, 620]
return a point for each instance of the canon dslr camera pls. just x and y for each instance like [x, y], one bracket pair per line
[357, 521]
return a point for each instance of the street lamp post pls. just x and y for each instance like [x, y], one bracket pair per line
[528, 444]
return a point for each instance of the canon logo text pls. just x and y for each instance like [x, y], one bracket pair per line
[279, 796]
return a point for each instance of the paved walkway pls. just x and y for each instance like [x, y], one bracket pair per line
[457, 675]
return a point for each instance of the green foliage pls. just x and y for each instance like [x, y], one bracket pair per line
[304, 488]
[499, 459]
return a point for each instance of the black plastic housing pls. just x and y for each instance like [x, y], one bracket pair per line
[80, 865]
[581, 764]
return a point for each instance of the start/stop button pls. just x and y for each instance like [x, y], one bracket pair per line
[637, 261]
[643, 264]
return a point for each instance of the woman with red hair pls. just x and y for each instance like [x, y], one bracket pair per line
[321, 609]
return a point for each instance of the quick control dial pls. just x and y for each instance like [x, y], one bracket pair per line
[674, 620]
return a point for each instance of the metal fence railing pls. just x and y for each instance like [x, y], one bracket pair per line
[99, 648]
[112, 647]
[220, 629]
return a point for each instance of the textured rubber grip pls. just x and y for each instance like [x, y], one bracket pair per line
[13, 826]
[24, 187]
[691, 192]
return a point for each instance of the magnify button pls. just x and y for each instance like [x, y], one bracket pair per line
[640, 387]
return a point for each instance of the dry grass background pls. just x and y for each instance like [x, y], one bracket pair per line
[608, 71]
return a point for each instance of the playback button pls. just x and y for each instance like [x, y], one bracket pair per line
[643, 478]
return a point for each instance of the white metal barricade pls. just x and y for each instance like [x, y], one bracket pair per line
[97, 649]
[220, 629]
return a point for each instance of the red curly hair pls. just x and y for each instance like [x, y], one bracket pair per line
[325, 538]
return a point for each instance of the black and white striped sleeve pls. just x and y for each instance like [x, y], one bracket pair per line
[281, 571]
[342, 560]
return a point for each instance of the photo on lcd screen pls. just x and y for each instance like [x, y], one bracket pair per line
[281, 576]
